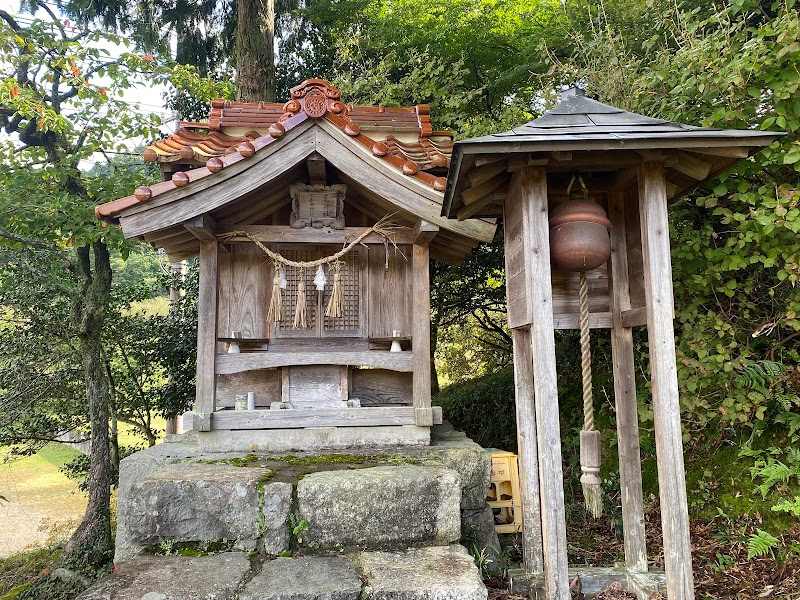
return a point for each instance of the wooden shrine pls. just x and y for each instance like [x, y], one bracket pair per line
[314, 222]
[632, 166]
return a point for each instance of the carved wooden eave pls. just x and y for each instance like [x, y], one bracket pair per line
[582, 135]
[248, 180]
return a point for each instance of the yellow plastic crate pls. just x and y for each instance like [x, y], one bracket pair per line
[504, 492]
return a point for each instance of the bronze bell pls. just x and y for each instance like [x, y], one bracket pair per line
[579, 239]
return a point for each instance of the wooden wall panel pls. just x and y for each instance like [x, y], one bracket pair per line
[378, 387]
[266, 383]
[223, 302]
[633, 234]
[249, 291]
[389, 304]
[515, 251]
[566, 287]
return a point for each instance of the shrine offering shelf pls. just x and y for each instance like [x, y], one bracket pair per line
[319, 417]
[227, 364]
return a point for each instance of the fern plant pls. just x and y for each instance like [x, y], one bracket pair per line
[772, 471]
[788, 506]
[761, 543]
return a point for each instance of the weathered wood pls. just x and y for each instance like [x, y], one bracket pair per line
[478, 175]
[477, 192]
[209, 193]
[517, 251]
[202, 227]
[309, 235]
[630, 468]
[497, 195]
[664, 377]
[377, 387]
[250, 291]
[690, 165]
[570, 321]
[389, 296]
[424, 232]
[533, 560]
[313, 417]
[423, 417]
[566, 287]
[533, 197]
[316, 169]
[316, 386]
[192, 421]
[284, 384]
[206, 387]
[237, 363]
[725, 151]
[266, 384]
[485, 159]
[421, 326]
[633, 317]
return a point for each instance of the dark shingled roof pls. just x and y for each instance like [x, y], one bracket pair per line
[578, 123]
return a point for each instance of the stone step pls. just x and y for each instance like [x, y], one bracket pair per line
[432, 573]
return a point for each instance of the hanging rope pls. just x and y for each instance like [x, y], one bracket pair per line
[383, 227]
[590, 438]
[300, 308]
[335, 308]
[275, 312]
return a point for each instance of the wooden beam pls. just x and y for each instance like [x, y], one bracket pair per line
[725, 151]
[562, 156]
[249, 361]
[477, 192]
[421, 325]
[570, 321]
[202, 227]
[424, 232]
[664, 377]
[690, 165]
[485, 159]
[532, 193]
[532, 558]
[316, 169]
[206, 381]
[634, 317]
[279, 234]
[498, 195]
[478, 175]
[316, 417]
[671, 189]
[630, 467]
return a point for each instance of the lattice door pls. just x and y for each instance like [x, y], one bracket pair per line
[350, 322]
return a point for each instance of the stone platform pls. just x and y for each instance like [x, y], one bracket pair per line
[434, 573]
[180, 494]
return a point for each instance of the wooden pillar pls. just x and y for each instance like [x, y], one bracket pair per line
[666, 409]
[630, 468]
[205, 401]
[532, 559]
[421, 319]
[532, 195]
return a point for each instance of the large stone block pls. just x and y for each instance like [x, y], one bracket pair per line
[173, 578]
[307, 578]
[195, 502]
[276, 499]
[472, 462]
[437, 573]
[381, 506]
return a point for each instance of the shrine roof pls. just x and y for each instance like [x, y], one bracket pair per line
[401, 137]
[565, 137]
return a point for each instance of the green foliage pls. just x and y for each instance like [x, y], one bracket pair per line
[788, 506]
[761, 543]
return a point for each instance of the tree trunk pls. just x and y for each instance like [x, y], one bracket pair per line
[91, 544]
[255, 51]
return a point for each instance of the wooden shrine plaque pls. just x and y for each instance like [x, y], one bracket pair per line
[317, 206]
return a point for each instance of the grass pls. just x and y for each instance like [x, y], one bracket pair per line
[40, 498]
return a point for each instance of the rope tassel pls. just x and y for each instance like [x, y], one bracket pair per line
[590, 438]
[300, 310]
[275, 313]
[334, 309]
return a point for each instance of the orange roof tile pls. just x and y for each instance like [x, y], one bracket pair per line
[421, 153]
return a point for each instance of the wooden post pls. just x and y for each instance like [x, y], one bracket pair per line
[421, 313]
[532, 185]
[630, 468]
[666, 408]
[532, 559]
[205, 401]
